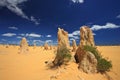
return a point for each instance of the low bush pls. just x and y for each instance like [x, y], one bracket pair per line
[103, 64]
[63, 55]
[92, 50]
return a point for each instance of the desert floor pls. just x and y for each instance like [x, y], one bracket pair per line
[32, 66]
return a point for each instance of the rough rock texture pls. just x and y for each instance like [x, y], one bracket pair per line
[63, 43]
[46, 47]
[34, 45]
[79, 54]
[63, 38]
[74, 46]
[23, 46]
[7, 46]
[86, 36]
[51, 47]
[87, 61]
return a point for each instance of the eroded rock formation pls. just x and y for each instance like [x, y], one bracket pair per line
[34, 45]
[74, 46]
[63, 38]
[23, 46]
[86, 59]
[51, 47]
[86, 36]
[46, 47]
[62, 49]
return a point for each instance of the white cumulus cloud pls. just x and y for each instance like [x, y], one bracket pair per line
[106, 26]
[49, 36]
[12, 5]
[9, 34]
[77, 1]
[14, 28]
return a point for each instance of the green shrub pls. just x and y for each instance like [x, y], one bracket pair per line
[92, 50]
[63, 55]
[103, 64]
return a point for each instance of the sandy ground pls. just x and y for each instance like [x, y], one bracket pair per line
[31, 65]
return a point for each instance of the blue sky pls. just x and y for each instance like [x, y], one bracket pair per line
[38, 20]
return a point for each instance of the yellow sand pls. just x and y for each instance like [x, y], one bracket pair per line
[31, 65]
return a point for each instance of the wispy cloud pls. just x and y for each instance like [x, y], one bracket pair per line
[14, 28]
[38, 41]
[12, 5]
[77, 1]
[33, 19]
[74, 34]
[118, 16]
[22, 34]
[19, 37]
[34, 35]
[41, 42]
[106, 26]
[49, 41]
[71, 39]
[3, 39]
[9, 34]
[94, 34]
[13, 42]
[48, 35]
[30, 35]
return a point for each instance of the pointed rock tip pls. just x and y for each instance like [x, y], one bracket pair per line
[59, 28]
[84, 26]
[23, 38]
[73, 39]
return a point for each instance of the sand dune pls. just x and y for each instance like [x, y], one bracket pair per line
[32, 66]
